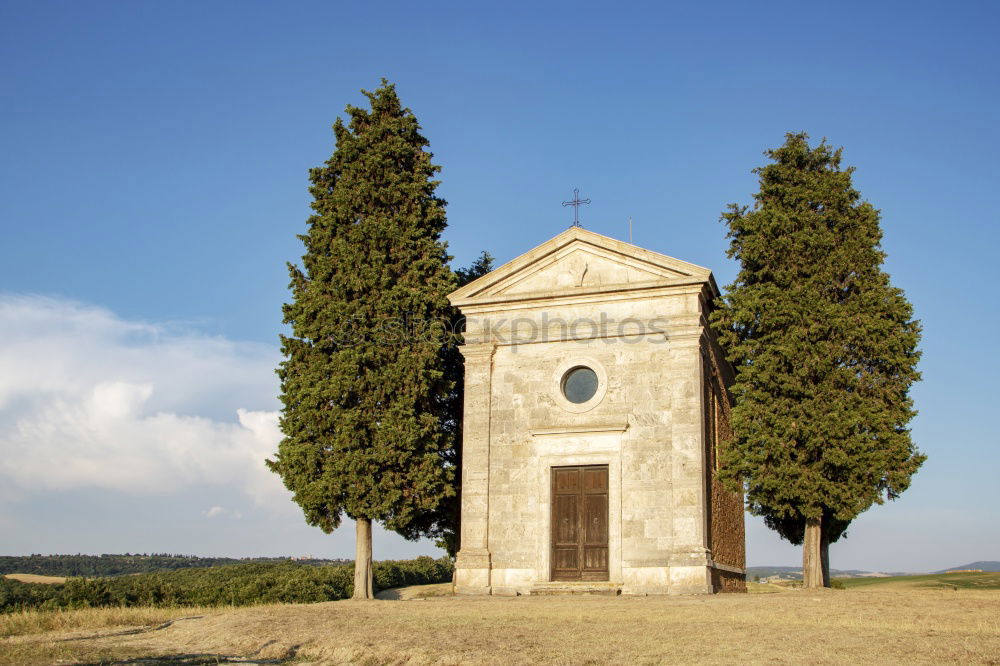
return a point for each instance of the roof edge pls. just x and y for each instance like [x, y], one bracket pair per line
[563, 239]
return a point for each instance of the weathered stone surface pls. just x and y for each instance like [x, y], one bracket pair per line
[637, 318]
[559, 589]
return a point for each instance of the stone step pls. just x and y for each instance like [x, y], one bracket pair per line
[583, 587]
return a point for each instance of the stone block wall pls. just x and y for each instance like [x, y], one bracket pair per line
[644, 427]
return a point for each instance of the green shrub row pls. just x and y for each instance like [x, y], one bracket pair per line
[236, 585]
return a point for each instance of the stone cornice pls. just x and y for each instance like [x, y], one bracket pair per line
[579, 295]
[477, 351]
[679, 334]
[726, 567]
[581, 429]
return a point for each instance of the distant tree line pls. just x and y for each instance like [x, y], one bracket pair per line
[233, 585]
[127, 564]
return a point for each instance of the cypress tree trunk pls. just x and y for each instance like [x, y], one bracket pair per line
[363, 560]
[824, 554]
[812, 564]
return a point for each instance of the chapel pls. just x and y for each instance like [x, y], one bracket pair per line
[596, 400]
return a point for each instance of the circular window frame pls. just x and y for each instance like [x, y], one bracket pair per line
[559, 377]
[564, 383]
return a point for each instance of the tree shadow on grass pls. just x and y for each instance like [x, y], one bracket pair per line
[194, 660]
[392, 594]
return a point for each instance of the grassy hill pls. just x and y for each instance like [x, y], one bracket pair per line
[956, 581]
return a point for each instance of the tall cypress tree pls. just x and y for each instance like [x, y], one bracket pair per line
[825, 351]
[363, 381]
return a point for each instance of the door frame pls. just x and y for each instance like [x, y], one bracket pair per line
[604, 449]
[582, 515]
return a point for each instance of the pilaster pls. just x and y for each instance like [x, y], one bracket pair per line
[689, 556]
[472, 565]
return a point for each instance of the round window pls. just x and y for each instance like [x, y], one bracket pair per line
[579, 384]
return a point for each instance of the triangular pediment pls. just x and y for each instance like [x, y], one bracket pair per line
[578, 261]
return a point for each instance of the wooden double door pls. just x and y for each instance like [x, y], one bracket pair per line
[580, 523]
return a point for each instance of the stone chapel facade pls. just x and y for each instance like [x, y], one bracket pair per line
[595, 400]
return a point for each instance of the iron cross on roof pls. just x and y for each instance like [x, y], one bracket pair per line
[576, 203]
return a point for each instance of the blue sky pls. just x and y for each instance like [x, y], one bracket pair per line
[153, 179]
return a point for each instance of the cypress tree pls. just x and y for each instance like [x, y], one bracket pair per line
[363, 383]
[825, 351]
[443, 524]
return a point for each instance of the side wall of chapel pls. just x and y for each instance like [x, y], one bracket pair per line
[726, 536]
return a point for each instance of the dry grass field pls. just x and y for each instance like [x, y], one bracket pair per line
[36, 578]
[867, 625]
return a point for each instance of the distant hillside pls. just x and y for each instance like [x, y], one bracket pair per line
[764, 572]
[120, 565]
[988, 565]
[795, 573]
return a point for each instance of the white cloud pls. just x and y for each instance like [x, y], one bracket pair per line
[90, 400]
[217, 511]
